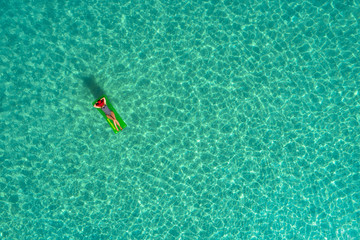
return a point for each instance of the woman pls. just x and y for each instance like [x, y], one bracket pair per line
[110, 114]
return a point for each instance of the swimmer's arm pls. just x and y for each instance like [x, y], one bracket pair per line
[104, 100]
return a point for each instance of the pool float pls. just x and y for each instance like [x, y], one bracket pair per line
[100, 103]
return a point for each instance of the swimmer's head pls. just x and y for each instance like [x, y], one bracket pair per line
[100, 103]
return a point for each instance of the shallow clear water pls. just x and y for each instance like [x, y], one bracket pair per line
[243, 120]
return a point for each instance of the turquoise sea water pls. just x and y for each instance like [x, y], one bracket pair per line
[243, 119]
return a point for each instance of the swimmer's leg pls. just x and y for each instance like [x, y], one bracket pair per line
[114, 119]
